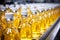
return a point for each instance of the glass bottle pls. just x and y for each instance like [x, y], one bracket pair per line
[28, 31]
[17, 18]
[11, 33]
[3, 19]
[23, 30]
[29, 15]
[35, 33]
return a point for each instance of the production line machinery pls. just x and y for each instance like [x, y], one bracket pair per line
[29, 23]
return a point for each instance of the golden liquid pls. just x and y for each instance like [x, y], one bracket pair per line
[0, 32]
[8, 10]
[27, 28]
[3, 20]
[11, 33]
[17, 18]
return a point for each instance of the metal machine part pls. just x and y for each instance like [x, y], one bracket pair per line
[57, 36]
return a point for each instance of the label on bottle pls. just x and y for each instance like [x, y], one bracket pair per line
[9, 15]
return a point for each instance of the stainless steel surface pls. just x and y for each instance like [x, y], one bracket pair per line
[54, 32]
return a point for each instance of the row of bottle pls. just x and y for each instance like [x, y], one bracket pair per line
[26, 27]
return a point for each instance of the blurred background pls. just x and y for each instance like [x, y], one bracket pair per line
[29, 1]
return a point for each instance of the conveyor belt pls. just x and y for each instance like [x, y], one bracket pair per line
[52, 32]
[57, 36]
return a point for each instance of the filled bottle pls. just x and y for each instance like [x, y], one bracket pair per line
[3, 19]
[11, 33]
[17, 17]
